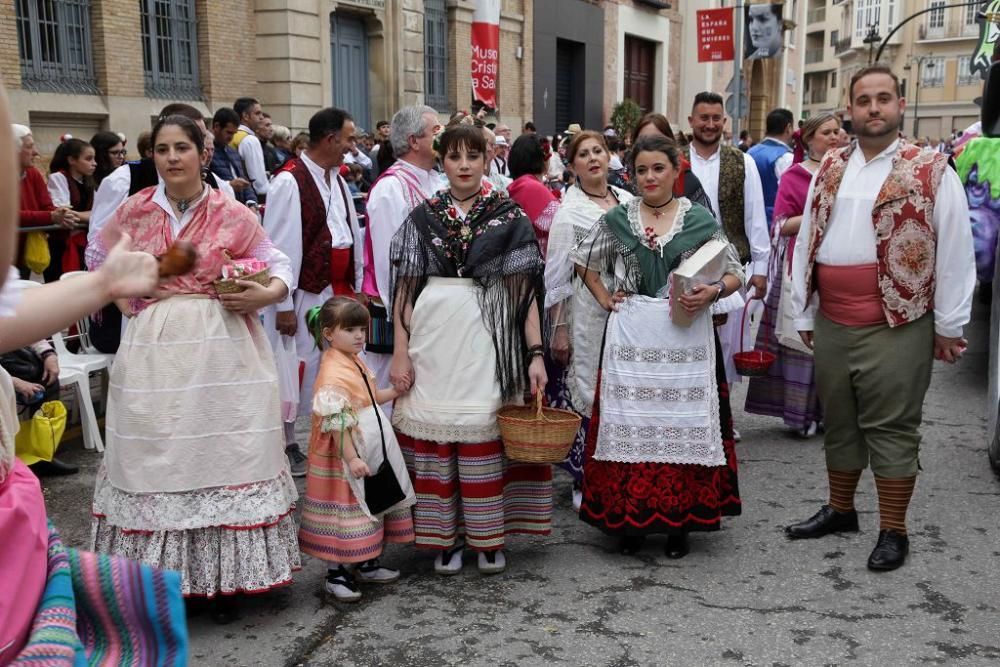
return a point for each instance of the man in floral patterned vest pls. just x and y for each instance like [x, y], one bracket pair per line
[885, 255]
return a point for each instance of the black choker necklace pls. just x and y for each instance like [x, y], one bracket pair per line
[462, 201]
[183, 204]
[607, 191]
[657, 210]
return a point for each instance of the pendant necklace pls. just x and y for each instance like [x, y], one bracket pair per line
[657, 211]
[183, 204]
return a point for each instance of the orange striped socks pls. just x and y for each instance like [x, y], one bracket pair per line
[842, 486]
[893, 500]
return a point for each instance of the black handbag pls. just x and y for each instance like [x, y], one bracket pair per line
[23, 364]
[382, 489]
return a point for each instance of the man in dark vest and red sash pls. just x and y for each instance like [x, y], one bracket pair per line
[310, 217]
[884, 254]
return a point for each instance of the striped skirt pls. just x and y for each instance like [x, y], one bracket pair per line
[473, 489]
[334, 526]
[788, 390]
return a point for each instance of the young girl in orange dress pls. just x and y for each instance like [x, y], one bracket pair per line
[346, 445]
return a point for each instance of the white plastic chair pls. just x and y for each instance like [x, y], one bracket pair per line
[71, 376]
[83, 327]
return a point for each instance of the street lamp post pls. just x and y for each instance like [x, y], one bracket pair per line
[871, 39]
[916, 91]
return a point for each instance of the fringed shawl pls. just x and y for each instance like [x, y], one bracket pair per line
[495, 245]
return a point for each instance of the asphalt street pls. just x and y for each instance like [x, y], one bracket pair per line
[744, 596]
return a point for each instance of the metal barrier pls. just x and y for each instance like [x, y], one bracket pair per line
[51, 228]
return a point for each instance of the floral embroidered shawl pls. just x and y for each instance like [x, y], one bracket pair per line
[219, 226]
[495, 245]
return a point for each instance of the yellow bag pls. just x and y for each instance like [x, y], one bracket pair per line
[38, 438]
[36, 251]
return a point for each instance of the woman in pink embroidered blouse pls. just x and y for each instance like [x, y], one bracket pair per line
[195, 478]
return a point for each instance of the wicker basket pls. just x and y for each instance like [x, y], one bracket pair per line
[229, 285]
[533, 434]
[755, 362]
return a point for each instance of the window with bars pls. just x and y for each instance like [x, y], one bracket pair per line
[54, 45]
[170, 49]
[436, 54]
[868, 13]
[932, 72]
[965, 76]
[936, 17]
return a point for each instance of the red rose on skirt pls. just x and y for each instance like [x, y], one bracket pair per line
[639, 487]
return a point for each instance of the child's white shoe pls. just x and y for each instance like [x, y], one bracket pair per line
[372, 572]
[492, 562]
[340, 584]
[449, 562]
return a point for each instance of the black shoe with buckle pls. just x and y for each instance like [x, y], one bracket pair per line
[889, 552]
[827, 520]
[298, 463]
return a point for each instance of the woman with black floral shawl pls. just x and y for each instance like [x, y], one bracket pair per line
[467, 297]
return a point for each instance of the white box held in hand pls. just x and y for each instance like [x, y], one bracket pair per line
[705, 266]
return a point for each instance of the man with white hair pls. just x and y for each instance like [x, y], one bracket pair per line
[402, 187]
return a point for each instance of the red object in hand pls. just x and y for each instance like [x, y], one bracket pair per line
[178, 259]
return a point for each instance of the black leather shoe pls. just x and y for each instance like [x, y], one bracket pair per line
[54, 468]
[827, 520]
[889, 552]
[677, 546]
[631, 544]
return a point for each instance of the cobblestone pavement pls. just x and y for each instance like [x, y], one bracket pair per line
[744, 595]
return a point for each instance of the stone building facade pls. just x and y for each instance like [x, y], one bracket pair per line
[79, 66]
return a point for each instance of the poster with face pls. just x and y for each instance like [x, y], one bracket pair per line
[762, 37]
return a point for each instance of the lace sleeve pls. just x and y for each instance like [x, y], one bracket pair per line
[96, 252]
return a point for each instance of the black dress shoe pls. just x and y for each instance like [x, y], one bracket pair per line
[827, 520]
[677, 546]
[889, 552]
[53, 468]
[631, 544]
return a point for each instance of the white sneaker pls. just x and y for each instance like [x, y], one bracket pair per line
[577, 499]
[372, 572]
[810, 430]
[450, 561]
[736, 436]
[492, 562]
[341, 585]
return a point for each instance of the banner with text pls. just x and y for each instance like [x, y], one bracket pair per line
[715, 35]
[485, 52]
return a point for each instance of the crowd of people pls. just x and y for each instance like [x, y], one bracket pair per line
[480, 270]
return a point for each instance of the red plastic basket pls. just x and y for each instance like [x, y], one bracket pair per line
[755, 362]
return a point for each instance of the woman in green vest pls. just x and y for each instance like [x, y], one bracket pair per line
[660, 453]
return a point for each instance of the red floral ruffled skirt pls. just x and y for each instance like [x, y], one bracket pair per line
[661, 498]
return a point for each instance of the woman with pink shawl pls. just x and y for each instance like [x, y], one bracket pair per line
[527, 167]
[788, 390]
[195, 478]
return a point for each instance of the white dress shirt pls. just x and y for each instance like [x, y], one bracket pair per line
[283, 220]
[754, 219]
[59, 189]
[360, 158]
[555, 167]
[253, 161]
[114, 191]
[849, 239]
[388, 206]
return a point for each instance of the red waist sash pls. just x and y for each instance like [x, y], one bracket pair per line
[342, 271]
[850, 295]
